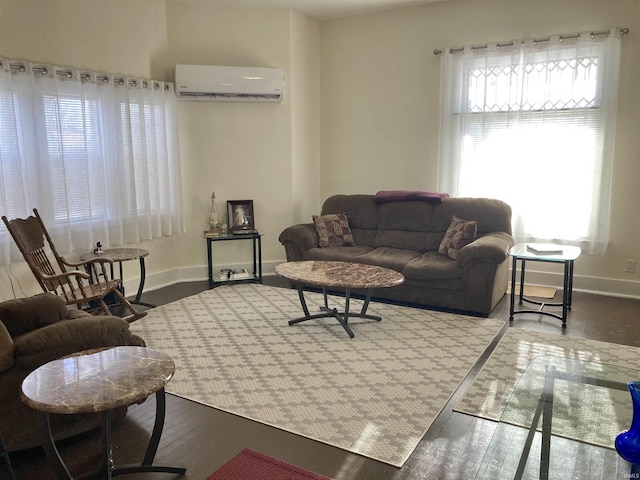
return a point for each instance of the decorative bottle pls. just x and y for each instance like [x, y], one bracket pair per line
[628, 441]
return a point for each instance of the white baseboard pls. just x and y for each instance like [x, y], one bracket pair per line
[167, 278]
[603, 286]
[612, 287]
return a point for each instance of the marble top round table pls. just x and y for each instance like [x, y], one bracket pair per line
[341, 275]
[98, 381]
[124, 254]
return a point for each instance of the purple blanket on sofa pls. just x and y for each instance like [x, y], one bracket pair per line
[400, 195]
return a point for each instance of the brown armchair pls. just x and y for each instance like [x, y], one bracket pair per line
[34, 331]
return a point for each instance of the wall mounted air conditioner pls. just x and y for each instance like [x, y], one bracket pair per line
[229, 84]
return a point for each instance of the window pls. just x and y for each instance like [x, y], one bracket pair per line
[533, 125]
[96, 154]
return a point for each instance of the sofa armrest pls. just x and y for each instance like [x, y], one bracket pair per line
[492, 247]
[297, 239]
[70, 336]
[6, 349]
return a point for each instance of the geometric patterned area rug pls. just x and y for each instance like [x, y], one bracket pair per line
[597, 415]
[250, 465]
[375, 394]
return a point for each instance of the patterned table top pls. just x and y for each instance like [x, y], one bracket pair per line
[97, 380]
[340, 274]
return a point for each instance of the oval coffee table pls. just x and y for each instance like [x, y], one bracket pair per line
[98, 381]
[338, 275]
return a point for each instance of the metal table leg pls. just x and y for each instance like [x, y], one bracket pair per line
[107, 470]
[328, 312]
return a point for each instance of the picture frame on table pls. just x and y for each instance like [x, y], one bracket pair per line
[240, 215]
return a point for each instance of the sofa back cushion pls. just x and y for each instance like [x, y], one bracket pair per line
[490, 214]
[362, 212]
[415, 225]
[23, 315]
[404, 225]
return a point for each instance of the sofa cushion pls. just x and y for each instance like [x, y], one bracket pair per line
[6, 349]
[333, 230]
[432, 266]
[460, 233]
[388, 257]
[337, 254]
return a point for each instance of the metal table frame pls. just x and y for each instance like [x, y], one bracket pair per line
[257, 256]
[107, 469]
[567, 289]
[327, 312]
[544, 410]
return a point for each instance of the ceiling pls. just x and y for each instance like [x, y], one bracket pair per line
[320, 9]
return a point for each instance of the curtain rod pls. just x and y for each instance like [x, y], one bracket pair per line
[85, 76]
[623, 31]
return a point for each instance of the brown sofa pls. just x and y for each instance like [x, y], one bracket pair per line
[34, 331]
[405, 235]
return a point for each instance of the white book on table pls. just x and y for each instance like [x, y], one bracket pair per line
[544, 248]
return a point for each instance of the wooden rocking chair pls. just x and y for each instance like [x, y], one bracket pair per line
[77, 287]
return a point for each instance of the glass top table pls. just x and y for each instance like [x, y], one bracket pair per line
[561, 421]
[555, 254]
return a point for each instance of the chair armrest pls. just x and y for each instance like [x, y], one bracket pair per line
[297, 239]
[66, 276]
[84, 263]
[492, 247]
[95, 268]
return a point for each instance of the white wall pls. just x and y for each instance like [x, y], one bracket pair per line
[360, 113]
[380, 103]
[239, 150]
[305, 118]
[118, 36]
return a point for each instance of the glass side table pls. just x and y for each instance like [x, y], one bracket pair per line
[216, 280]
[554, 401]
[567, 258]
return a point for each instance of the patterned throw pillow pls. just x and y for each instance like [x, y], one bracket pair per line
[333, 230]
[459, 234]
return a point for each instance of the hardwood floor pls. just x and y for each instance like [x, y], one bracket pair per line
[202, 438]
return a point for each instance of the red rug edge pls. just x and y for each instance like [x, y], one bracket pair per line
[271, 468]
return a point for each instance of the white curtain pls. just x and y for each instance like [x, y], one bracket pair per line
[532, 123]
[96, 154]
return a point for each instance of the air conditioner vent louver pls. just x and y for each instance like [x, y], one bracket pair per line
[229, 84]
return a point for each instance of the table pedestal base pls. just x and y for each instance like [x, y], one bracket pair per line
[342, 317]
[107, 470]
